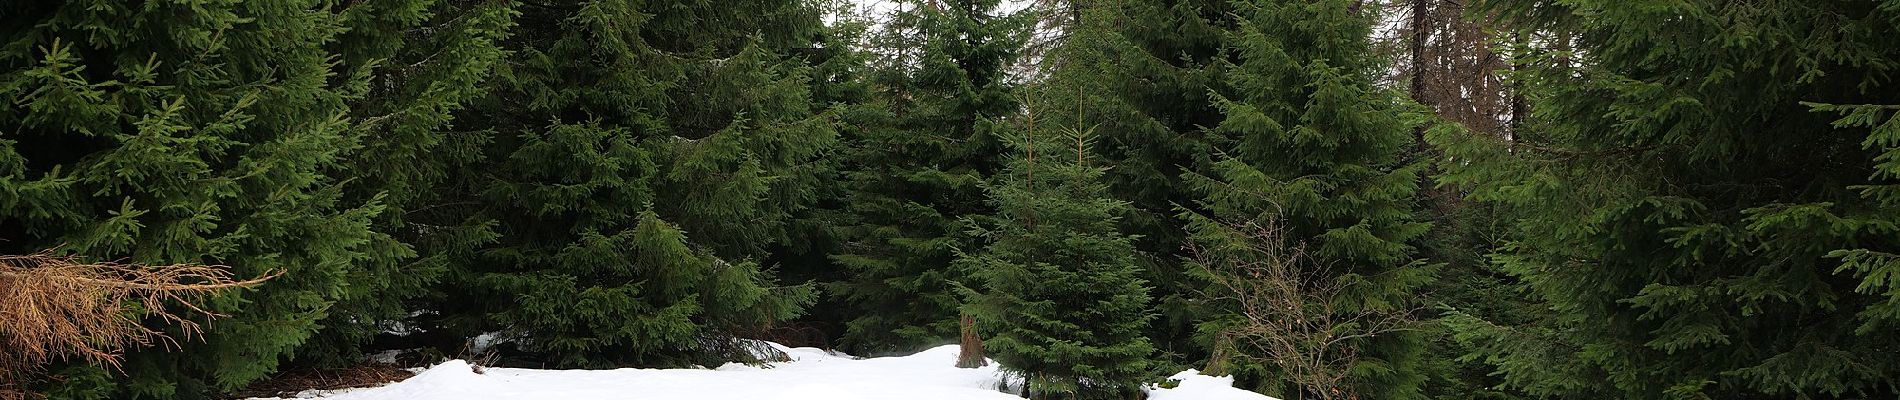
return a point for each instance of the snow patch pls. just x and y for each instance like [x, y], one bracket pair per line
[813, 374]
[1195, 386]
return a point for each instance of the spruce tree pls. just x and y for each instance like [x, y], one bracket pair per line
[1056, 290]
[1687, 220]
[424, 60]
[917, 169]
[840, 89]
[1311, 145]
[1140, 74]
[642, 155]
[205, 133]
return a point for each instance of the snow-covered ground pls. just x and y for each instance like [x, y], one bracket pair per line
[812, 374]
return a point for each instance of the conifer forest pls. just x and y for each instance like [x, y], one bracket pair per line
[1323, 199]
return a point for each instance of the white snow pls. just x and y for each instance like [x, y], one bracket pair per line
[1195, 386]
[813, 374]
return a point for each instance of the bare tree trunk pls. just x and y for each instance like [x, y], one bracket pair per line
[1421, 31]
[1520, 109]
[971, 345]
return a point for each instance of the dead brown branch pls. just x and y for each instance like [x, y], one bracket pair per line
[1292, 314]
[59, 307]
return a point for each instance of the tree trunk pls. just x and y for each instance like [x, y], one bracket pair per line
[1217, 362]
[971, 344]
[1421, 31]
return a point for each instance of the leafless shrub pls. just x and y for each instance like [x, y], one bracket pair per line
[56, 307]
[1291, 312]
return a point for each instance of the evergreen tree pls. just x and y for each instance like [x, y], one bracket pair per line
[641, 156]
[204, 133]
[1686, 225]
[1140, 74]
[916, 170]
[424, 60]
[1309, 144]
[1057, 291]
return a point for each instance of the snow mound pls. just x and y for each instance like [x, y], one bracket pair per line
[1195, 386]
[813, 374]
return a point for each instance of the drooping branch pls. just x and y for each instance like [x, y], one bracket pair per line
[55, 307]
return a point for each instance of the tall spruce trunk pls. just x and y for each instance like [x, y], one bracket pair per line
[1421, 31]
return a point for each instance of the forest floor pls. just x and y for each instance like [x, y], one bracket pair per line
[813, 374]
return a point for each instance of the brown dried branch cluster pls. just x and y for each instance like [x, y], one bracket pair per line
[56, 307]
[1292, 313]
